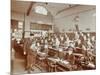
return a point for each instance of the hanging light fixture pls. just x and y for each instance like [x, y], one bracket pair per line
[76, 18]
[46, 3]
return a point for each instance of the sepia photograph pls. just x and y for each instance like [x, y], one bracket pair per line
[52, 37]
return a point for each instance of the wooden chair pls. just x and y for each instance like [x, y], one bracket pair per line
[52, 66]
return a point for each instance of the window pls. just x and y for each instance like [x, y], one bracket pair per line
[17, 28]
[41, 10]
[36, 26]
[20, 24]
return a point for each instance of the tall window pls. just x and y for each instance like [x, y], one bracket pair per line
[41, 10]
[17, 28]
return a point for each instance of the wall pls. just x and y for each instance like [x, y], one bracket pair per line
[31, 19]
[87, 19]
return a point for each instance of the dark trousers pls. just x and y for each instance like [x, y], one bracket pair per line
[30, 60]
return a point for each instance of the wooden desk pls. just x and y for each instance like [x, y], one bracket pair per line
[52, 52]
[62, 65]
[52, 64]
[89, 66]
[89, 52]
[78, 54]
[67, 67]
[56, 52]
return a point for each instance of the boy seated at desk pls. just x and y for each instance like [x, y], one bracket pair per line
[69, 55]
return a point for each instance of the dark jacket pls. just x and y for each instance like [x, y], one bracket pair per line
[27, 44]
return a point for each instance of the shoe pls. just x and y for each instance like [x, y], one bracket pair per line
[32, 69]
[26, 69]
[29, 72]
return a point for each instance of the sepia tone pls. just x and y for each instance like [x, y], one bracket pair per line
[52, 37]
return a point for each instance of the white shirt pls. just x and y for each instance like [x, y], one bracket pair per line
[83, 47]
[57, 42]
[89, 45]
[46, 46]
[38, 44]
[62, 38]
[79, 41]
[33, 46]
[93, 38]
[71, 44]
[84, 37]
[76, 35]
[46, 41]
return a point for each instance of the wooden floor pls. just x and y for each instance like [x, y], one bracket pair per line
[18, 66]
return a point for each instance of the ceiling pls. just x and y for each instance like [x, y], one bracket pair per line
[54, 8]
[19, 6]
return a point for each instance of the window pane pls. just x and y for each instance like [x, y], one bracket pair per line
[20, 24]
[41, 10]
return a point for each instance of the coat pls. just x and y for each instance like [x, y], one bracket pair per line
[27, 45]
[30, 55]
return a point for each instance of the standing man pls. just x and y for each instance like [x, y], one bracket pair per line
[28, 53]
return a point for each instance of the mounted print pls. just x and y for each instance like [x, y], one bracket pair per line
[52, 37]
